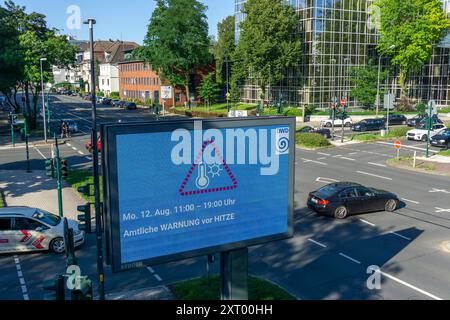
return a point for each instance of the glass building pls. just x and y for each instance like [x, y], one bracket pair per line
[338, 35]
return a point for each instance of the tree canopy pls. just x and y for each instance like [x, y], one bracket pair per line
[177, 40]
[224, 48]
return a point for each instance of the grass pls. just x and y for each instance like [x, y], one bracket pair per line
[204, 289]
[361, 113]
[220, 108]
[445, 153]
[78, 178]
[408, 161]
[2, 203]
[399, 132]
[444, 110]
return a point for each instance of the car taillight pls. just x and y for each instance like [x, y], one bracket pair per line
[323, 202]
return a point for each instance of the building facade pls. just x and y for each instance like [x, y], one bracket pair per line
[338, 35]
[137, 80]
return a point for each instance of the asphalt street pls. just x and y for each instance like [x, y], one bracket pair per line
[326, 259]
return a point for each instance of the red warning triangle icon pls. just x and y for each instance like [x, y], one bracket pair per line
[196, 163]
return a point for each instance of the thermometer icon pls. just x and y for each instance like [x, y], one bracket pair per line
[202, 180]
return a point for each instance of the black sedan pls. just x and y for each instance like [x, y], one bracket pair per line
[396, 119]
[441, 140]
[130, 106]
[341, 199]
[115, 103]
[326, 133]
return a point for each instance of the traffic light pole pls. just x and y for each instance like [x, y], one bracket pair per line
[98, 217]
[430, 123]
[58, 177]
[12, 130]
[26, 145]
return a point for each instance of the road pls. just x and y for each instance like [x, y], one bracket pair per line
[326, 258]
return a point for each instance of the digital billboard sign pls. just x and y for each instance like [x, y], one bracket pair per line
[179, 189]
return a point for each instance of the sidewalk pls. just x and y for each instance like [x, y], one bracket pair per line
[155, 293]
[36, 190]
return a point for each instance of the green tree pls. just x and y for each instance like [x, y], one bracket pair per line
[365, 82]
[208, 89]
[413, 26]
[224, 48]
[177, 41]
[267, 43]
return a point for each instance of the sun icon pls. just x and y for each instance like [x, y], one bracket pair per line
[214, 170]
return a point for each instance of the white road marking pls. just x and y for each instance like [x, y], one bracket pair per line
[337, 156]
[321, 158]
[326, 180]
[434, 190]
[439, 210]
[349, 258]
[399, 235]
[378, 164]
[74, 115]
[81, 153]
[68, 144]
[349, 159]
[412, 201]
[410, 286]
[23, 285]
[367, 222]
[324, 154]
[318, 243]
[150, 269]
[73, 148]
[373, 175]
[352, 153]
[317, 162]
[89, 158]
[39, 151]
[158, 277]
[406, 146]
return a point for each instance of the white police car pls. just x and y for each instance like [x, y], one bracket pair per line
[31, 229]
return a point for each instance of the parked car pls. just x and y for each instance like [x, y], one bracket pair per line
[341, 199]
[115, 103]
[434, 119]
[106, 101]
[442, 139]
[421, 133]
[130, 106]
[396, 119]
[89, 146]
[337, 123]
[32, 229]
[324, 132]
[122, 104]
[73, 126]
[369, 125]
[415, 121]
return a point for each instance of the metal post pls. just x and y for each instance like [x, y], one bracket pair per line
[430, 123]
[12, 130]
[26, 146]
[228, 101]
[378, 86]
[43, 100]
[334, 100]
[58, 177]
[98, 225]
[234, 275]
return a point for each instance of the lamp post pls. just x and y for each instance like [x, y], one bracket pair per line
[228, 91]
[346, 63]
[392, 47]
[334, 99]
[94, 138]
[43, 99]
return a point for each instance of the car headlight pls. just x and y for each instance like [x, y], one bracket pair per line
[441, 141]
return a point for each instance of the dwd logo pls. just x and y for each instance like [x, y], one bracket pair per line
[282, 141]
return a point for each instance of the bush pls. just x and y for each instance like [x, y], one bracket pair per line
[114, 95]
[398, 132]
[312, 140]
[309, 109]
[293, 112]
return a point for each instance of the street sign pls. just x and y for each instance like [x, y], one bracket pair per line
[432, 105]
[343, 102]
[180, 189]
[237, 113]
[389, 101]
[166, 92]
[398, 144]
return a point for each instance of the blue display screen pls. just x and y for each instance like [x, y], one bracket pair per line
[185, 190]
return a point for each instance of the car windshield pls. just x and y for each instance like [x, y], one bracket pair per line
[326, 191]
[446, 133]
[46, 217]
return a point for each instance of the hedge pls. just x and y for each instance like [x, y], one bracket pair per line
[312, 140]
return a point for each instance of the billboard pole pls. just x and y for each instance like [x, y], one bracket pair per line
[234, 275]
[94, 139]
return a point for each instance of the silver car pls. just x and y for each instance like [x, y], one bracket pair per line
[24, 229]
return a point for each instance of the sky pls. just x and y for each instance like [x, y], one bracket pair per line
[116, 19]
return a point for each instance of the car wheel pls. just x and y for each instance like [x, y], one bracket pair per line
[57, 245]
[404, 122]
[328, 125]
[340, 212]
[448, 146]
[390, 205]
[348, 124]
[424, 138]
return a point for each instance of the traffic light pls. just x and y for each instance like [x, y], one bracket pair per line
[63, 169]
[50, 168]
[85, 218]
[55, 288]
[84, 292]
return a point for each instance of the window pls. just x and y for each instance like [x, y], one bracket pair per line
[27, 224]
[5, 224]
[364, 192]
[349, 193]
[46, 217]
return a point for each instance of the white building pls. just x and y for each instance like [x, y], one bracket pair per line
[109, 78]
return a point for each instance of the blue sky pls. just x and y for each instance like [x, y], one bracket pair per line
[126, 19]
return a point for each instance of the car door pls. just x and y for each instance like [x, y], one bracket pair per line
[6, 234]
[369, 198]
[29, 234]
[352, 201]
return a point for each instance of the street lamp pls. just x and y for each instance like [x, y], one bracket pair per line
[392, 47]
[94, 138]
[334, 99]
[43, 98]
